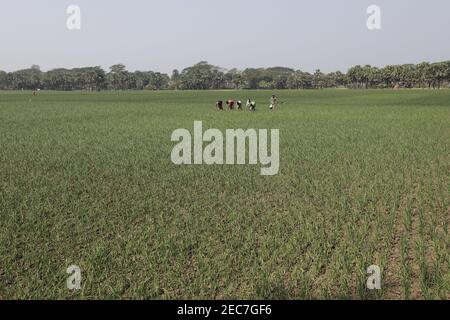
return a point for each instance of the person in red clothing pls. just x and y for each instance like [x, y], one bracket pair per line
[230, 104]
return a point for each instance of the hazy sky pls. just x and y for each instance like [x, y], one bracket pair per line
[162, 35]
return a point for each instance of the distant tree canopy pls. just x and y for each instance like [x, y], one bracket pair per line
[204, 76]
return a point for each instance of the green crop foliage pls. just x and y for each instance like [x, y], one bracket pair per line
[87, 179]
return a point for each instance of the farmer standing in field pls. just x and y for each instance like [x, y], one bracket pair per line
[273, 102]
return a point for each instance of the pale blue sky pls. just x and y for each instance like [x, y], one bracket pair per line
[162, 35]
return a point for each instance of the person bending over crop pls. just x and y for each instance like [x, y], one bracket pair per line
[251, 105]
[230, 104]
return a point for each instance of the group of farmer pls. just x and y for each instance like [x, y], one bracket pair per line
[251, 104]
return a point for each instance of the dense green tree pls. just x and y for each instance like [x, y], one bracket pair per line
[300, 80]
[118, 77]
[235, 79]
[158, 81]
[424, 74]
[203, 76]
[319, 80]
[448, 73]
[29, 79]
[3, 80]
[355, 76]
[59, 79]
[174, 80]
[252, 77]
[408, 75]
[90, 78]
[294, 81]
[440, 73]
[341, 79]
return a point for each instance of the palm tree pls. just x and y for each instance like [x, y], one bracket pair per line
[440, 73]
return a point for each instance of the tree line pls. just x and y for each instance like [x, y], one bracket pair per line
[204, 76]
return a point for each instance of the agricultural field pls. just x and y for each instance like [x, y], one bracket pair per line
[86, 179]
